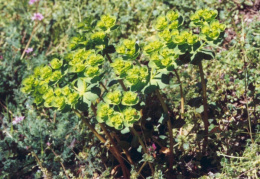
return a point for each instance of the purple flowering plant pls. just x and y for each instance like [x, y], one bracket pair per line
[18, 120]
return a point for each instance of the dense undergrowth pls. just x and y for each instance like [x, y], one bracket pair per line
[41, 142]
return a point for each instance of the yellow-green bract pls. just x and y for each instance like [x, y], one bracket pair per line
[130, 98]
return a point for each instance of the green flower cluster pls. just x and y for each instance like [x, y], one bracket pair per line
[174, 41]
[127, 47]
[121, 67]
[210, 27]
[137, 76]
[39, 85]
[118, 119]
[202, 15]
[170, 21]
[124, 68]
[165, 58]
[84, 59]
[153, 46]
[106, 22]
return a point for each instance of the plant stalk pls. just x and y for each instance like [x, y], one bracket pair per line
[63, 167]
[205, 105]
[114, 146]
[29, 41]
[182, 97]
[125, 151]
[143, 146]
[181, 92]
[165, 109]
[111, 148]
[119, 157]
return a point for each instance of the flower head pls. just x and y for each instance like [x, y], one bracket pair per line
[37, 16]
[31, 2]
[18, 120]
[29, 50]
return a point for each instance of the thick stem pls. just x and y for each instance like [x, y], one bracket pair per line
[103, 86]
[108, 57]
[205, 105]
[119, 158]
[125, 151]
[115, 149]
[181, 92]
[122, 84]
[139, 139]
[91, 127]
[165, 109]
[182, 97]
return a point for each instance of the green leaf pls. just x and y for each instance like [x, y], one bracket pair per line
[114, 27]
[218, 41]
[92, 95]
[161, 80]
[149, 88]
[125, 130]
[82, 106]
[162, 119]
[200, 109]
[82, 86]
[139, 149]
[162, 137]
[202, 55]
[186, 146]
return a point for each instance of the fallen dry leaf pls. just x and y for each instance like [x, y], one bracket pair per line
[165, 150]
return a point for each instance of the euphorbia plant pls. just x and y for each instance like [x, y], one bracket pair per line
[86, 76]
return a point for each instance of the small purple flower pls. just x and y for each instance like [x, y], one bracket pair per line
[1, 57]
[18, 120]
[48, 144]
[29, 50]
[37, 16]
[31, 2]
[154, 146]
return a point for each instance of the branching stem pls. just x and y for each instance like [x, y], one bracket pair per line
[205, 105]
[114, 146]
[112, 149]
[181, 92]
[165, 109]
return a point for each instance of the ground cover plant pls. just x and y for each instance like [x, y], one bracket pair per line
[132, 89]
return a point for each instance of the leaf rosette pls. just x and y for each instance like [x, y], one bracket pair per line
[104, 111]
[121, 67]
[113, 97]
[116, 121]
[130, 98]
[56, 63]
[106, 22]
[131, 116]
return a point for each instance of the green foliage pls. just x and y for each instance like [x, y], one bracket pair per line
[147, 42]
